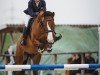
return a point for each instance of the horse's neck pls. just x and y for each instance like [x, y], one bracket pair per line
[36, 27]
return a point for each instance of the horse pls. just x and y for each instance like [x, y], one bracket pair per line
[41, 38]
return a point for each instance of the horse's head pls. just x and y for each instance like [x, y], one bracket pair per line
[47, 27]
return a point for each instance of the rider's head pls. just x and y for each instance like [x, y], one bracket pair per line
[37, 0]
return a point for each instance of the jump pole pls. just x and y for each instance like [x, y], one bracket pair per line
[48, 67]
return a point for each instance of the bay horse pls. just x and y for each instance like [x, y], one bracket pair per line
[40, 39]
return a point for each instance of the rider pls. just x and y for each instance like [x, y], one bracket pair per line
[34, 6]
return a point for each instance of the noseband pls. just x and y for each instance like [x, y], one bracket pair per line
[47, 31]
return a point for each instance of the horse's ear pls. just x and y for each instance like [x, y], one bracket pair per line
[53, 14]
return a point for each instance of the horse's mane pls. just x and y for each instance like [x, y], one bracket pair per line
[48, 13]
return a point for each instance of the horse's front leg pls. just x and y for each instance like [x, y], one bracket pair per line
[36, 60]
[19, 58]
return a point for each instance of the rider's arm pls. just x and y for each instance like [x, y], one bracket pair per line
[43, 5]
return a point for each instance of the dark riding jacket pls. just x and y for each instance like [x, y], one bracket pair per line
[33, 9]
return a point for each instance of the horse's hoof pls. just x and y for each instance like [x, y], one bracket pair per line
[49, 50]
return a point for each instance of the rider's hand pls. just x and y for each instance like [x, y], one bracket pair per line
[41, 8]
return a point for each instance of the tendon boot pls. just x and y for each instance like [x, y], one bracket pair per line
[26, 32]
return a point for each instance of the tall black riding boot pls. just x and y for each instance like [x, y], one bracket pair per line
[24, 37]
[26, 32]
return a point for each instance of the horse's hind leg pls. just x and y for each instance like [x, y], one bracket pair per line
[36, 60]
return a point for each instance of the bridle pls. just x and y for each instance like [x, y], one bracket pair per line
[44, 21]
[43, 24]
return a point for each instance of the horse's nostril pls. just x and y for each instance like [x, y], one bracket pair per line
[49, 45]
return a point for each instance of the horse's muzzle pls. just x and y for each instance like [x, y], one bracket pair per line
[49, 47]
